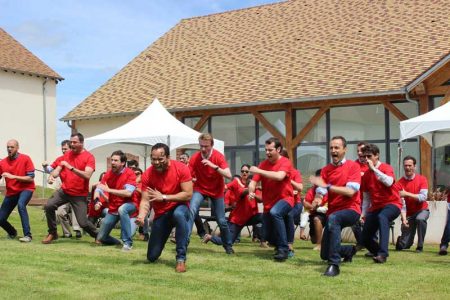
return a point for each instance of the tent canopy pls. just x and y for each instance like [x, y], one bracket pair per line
[434, 123]
[153, 125]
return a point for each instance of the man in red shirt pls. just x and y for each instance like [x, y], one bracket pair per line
[277, 195]
[381, 203]
[75, 169]
[18, 171]
[209, 167]
[340, 181]
[415, 213]
[120, 184]
[446, 234]
[167, 187]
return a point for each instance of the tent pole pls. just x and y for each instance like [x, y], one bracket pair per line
[433, 160]
[399, 155]
[145, 157]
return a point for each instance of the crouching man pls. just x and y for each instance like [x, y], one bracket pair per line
[167, 187]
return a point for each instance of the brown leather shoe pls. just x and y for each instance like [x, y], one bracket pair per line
[181, 267]
[50, 238]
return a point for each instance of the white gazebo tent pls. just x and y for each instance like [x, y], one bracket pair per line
[434, 126]
[153, 125]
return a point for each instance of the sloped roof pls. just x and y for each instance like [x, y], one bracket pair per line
[290, 50]
[15, 57]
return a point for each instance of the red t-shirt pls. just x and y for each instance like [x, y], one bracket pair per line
[19, 166]
[118, 182]
[56, 163]
[272, 190]
[72, 184]
[168, 183]
[363, 166]
[245, 207]
[311, 194]
[381, 195]
[91, 205]
[340, 175]
[297, 177]
[208, 182]
[414, 186]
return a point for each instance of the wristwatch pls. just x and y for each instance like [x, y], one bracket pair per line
[328, 186]
[164, 198]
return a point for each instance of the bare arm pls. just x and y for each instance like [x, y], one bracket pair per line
[274, 175]
[17, 177]
[184, 195]
[121, 193]
[224, 172]
[341, 190]
[85, 174]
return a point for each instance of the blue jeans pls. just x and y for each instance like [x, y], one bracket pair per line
[446, 235]
[290, 226]
[110, 220]
[379, 221]
[274, 228]
[179, 218]
[218, 210]
[331, 248]
[9, 203]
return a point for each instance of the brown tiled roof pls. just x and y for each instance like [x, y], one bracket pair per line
[290, 50]
[15, 57]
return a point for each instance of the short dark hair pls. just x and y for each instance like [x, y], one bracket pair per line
[138, 169]
[65, 142]
[79, 135]
[318, 172]
[276, 141]
[362, 143]
[340, 137]
[245, 165]
[409, 157]
[187, 155]
[161, 146]
[132, 163]
[372, 149]
[123, 156]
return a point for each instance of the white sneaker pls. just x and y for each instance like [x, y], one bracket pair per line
[126, 248]
[25, 239]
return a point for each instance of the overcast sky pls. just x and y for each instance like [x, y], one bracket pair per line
[88, 41]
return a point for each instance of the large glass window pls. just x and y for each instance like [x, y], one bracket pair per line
[318, 133]
[277, 119]
[408, 148]
[358, 123]
[409, 109]
[234, 130]
[311, 158]
[442, 167]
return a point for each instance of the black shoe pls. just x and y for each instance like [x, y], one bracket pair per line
[281, 255]
[379, 259]
[78, 234]
[332, 270]
[12, 236]
[349, 258]
[443, 250]
[146, 237]
[229, 250]
[419, 249]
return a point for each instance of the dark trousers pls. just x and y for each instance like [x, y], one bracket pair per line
[9, 203]
[79, 206]
[273, 225]
[379, 221]
[446, 235]
[236, 229]
[416, 222]
[331, 248]
[290, 221]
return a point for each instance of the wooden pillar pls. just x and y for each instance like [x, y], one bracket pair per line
[425, 148]
[289, 133]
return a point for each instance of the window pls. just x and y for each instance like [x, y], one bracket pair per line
[234, 130]
[318, 133]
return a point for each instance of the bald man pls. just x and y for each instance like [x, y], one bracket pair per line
[18, 171]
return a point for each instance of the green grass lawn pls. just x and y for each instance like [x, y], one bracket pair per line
[77, 269]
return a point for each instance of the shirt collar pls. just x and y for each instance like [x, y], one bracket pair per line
[340, 163]
[411, 177]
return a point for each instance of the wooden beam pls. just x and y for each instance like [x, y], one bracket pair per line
[311, 123]
[425, 148]
[289, 133]
[202, 121]
[439, 76]
[269, 127]
[395, 111]
[446, 98]
[439, 90]
[420, 89]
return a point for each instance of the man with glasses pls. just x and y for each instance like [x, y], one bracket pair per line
[381, 203]
[209, 168]
[167, 187]
[340, 181]
[277, 195]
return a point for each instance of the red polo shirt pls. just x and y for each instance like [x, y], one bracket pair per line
[118, 181]
[340, 175]
[413, 186]
[168, 183]
[245, 207]
[297, 177]
[19, 166]
[72, 184]
[208, 182]
[272, 190]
